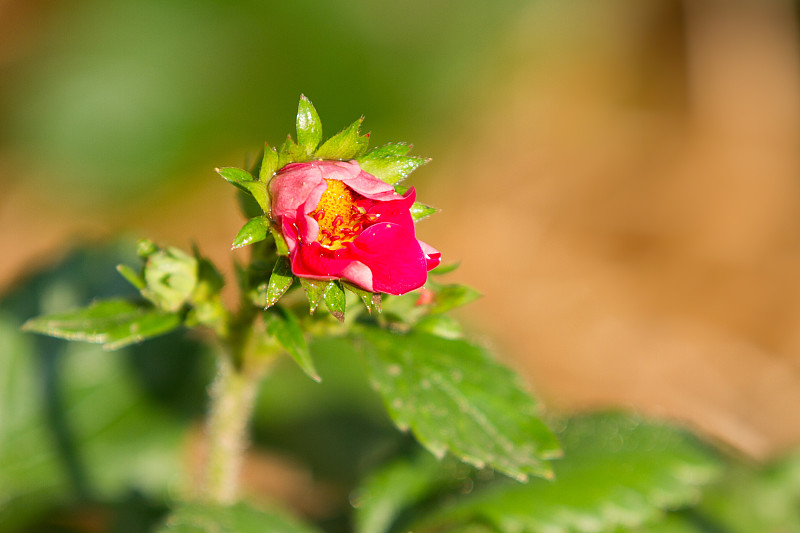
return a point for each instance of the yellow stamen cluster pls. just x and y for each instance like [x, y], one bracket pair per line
[340, 219]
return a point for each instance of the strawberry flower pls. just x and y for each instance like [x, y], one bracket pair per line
[340, 222]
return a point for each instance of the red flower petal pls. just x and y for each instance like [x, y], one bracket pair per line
[369, 186]
[432, 256]
[289, 230]
[385, 257]
[293, 186]
[393, 254]
[316, 262]
[396, 211]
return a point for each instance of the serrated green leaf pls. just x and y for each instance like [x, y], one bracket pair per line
[451, 296]
[280, 281]
[254, 230]
[239, 518]
[390, 490]
[315, 291]
[285, 328]
[112, 323]
[619, 472]
[371, 300]
[131, 276]
[245, 182]
[391, 168]
[309, 127]
[335, 300]
[346, 144]
[455, 398]
[269, 164]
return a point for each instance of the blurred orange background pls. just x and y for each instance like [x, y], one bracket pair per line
[620, 179]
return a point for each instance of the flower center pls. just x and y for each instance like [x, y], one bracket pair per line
[340, 219]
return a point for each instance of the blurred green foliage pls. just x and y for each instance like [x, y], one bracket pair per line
[88, 433]
[97, 441]
[120, 96]
[79, 429]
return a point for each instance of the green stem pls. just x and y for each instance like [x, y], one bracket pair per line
[232, 396]
[242, 363]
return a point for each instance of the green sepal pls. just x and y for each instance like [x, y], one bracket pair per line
[248, 205]
[284, 327]
[131, 276]
[269, 164]
[309, 127]
[280, 242]
[315, 291]
[235, 176]
[335, 300]
[371, 300]
[390, 168]
[244, 181]
[259, 193]
[279, 282]
[451, 296]
[113, 323]
[254, 230]
[291, 152]
[347, 144]
[420, 211]
[390, 149]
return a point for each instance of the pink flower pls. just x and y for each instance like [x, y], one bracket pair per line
[340, 222]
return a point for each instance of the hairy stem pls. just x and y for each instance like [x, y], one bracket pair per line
[232, 396]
